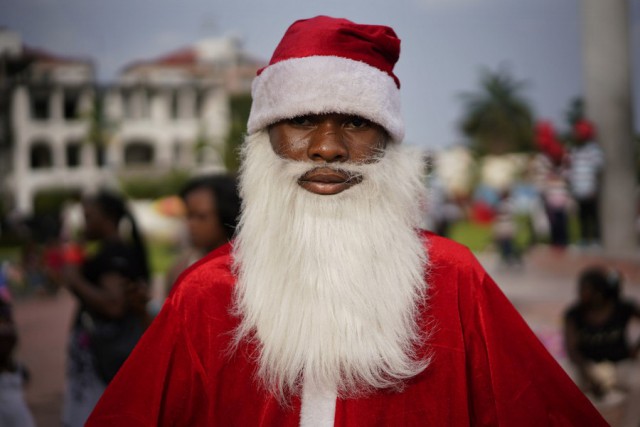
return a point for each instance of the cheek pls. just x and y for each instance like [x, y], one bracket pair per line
[198, 232]
[199, 223]
[368, 150]
[287, 144]
[202, 228]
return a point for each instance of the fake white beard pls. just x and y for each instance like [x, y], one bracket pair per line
[329, 287]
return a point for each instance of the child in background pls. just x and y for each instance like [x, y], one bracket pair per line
[505, 231]
[596, 336]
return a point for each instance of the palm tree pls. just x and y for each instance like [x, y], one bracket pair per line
[497, 119]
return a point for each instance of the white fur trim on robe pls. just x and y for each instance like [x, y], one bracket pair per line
[318, 406]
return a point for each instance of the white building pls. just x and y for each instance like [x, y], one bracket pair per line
[160, 115]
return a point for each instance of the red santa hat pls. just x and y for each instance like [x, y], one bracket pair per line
[330, 65]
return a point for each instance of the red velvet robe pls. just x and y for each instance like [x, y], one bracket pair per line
[488, 368]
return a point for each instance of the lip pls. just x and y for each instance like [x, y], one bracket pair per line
[328, 181]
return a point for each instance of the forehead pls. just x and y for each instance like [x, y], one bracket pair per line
[200, 196]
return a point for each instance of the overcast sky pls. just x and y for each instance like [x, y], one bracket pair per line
[445, 43]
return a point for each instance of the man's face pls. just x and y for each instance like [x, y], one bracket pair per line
[328, 140]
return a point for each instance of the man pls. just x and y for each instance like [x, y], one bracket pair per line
[331, 307]
[586, 160]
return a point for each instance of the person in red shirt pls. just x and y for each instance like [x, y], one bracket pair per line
[331, 306]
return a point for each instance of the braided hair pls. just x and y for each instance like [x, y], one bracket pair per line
[114, 207]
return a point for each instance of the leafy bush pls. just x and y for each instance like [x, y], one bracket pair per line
[156, 187]
[240, 106]
[51, 201]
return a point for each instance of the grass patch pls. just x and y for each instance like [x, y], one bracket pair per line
[476, 237]
[10, 253]
[161, 257]
[479, 237]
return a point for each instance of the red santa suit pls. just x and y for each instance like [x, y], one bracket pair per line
[487, 367]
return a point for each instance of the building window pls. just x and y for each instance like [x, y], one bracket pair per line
[40, 156]
[177, 153]
[101, 156]
[127, 105]
[138, 153]
[71, 104]
[200, 101]
[175, 104]
[39, 103]
[145, 99]
[73, 151]
[136, 103]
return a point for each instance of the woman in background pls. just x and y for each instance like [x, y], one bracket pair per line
[111, 289]
[213, 205]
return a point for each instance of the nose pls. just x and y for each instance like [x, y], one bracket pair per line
[327, 144]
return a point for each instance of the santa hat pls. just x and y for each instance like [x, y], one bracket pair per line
[330, 65]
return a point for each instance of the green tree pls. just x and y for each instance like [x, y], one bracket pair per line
[240, 106]
[154, 187]
[574, 113]
[497, 118]
[100, 128]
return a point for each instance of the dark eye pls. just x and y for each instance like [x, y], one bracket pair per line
[301, 121]
[357, 122]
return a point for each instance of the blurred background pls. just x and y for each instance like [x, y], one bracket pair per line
[527, 114]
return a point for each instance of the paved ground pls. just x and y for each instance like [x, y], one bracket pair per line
[540, 290]
[546, 284]
[43, 324]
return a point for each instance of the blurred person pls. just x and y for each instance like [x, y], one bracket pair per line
[547, 170]
[13, 408]
[557, 202]
[597, 339]
[442, 212]
[505, 230]
[538, 223]
[53, 256]
[586, 161]
[331, 306]
[111, 289]
[32, 265]
[212, 206]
